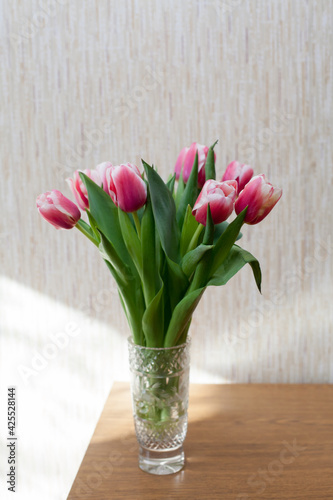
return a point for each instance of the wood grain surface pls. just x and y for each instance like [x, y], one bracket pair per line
[243, 442]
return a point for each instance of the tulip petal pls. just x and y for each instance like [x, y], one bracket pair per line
[129, 188]
[186, 159]
[270, 204]
[179, 162]
[58, 210]
[79, 189]
[101, 169]
[240, 172]
[220, 196]
[189, 162]
[260, 197]
[250, 197]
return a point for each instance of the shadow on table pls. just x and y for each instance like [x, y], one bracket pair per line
[226, 445]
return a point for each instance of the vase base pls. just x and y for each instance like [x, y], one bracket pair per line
[161, 463]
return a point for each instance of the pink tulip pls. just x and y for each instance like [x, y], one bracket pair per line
[126, 187]
[101, 169]
[239, 172]
[186, 160]
[78, 188]
[180, 162]
[189, 161]
[260, 197]
[58, 210]
[220, 196]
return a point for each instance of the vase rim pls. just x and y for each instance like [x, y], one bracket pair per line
[130, 341]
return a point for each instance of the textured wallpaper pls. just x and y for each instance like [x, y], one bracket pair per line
[85, 82]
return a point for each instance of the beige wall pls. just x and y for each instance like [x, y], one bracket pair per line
[123, 80]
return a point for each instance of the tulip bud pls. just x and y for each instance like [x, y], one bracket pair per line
[101, 169]
[58, 210]
[180, 162]
[220, 196]
[260, 197]
[239, 172]
[126, 187]
[186, 160]
[78, 188]
[189, 162]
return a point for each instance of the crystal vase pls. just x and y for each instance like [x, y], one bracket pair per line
[160, 390]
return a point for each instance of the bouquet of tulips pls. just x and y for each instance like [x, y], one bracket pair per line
[165, 242]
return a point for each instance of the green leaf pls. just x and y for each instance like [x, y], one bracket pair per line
[210, 172]
[189, 227]
[236, 259]
[190, 193]
[183, 337]
[131, 239]
[153, 321]
[220, 228]
[175, 286]
[105, 213]
[115, 253]
[151, 280]
[192, 259]
[131, 298]
[202, 270]
[216, 256]
[140, 213]
[164, 211]
[226, 241]
[208, 238]
[87, 228]
[93, 225]
[110, 254]
[177, 282]
[88, 231]
[180, 189]
[181, 316]
[171, 183]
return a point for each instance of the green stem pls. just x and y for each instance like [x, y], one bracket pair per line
[195, 237]
[83, 230]
[137, 223]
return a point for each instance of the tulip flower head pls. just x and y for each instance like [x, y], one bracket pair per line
[101, 169]
[186, 160]
[239, 172]
[126, 187]
[172, 225]
[180, 162]
[221, 198]
[260, 196]
[58, 210]
[78, 188]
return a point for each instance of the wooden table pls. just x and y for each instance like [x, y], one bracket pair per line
[243, 442]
